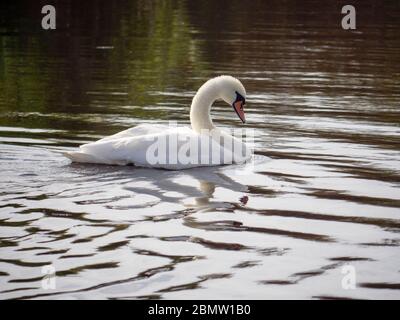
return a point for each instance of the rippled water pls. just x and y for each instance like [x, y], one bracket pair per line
[322, 193]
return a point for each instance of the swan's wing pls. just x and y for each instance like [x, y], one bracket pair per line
[122, 149]
[173, 148]
[108, 150]
[139, 130]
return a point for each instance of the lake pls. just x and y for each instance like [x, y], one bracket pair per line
[315, 215]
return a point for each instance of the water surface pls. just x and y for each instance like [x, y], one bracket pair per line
[322, 193]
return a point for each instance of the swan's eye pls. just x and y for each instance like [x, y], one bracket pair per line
[239, 97]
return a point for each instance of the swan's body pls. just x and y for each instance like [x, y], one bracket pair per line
[176, 147]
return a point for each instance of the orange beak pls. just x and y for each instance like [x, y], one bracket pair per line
[238, 106]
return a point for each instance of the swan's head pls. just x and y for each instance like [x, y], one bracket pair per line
[233, 93]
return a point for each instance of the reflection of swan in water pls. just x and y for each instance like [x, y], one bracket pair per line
[192, 188]
[198, 184]
[207, 188]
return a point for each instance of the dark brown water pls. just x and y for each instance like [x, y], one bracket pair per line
[323, 194]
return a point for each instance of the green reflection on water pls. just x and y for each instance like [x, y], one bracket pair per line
[118, 55]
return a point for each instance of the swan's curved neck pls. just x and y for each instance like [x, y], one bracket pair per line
[201, 106]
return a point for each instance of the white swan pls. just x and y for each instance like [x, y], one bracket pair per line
[162, 146]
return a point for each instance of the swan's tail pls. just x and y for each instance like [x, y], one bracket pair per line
[81, 157]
